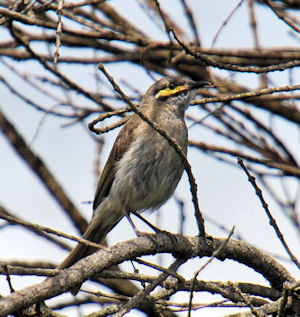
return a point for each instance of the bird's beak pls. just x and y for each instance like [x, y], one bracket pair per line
[201, 84]
[196, 85]
[183, 88]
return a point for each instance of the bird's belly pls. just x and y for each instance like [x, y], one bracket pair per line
[147, 175]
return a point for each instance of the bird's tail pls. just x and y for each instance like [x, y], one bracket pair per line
[81, 250]
[103, 220]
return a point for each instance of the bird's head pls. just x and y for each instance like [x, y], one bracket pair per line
[174, 90]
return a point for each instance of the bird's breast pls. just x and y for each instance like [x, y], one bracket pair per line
[149, 171]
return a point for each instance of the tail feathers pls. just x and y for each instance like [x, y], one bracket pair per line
[81, 250]
[103, 221]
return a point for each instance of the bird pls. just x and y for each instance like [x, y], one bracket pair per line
[143, 169]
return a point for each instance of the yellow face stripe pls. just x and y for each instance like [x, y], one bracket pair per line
[164, 93]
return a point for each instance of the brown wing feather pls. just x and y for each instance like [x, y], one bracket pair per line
[124, 139]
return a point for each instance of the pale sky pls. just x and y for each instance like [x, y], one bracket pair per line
[224, 192]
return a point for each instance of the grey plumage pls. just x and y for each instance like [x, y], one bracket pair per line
[143, 169]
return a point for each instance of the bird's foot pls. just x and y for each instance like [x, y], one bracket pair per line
[170, 235]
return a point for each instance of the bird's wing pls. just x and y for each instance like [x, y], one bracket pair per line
[126, 136]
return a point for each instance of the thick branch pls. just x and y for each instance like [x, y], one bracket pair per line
[159, 243]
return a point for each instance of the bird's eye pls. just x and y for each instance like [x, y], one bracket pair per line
[172, 86]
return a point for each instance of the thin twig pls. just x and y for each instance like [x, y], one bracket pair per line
[246, 300]
[20, 270]
[140, 296]
[272, 220]
[192, 22]
[60, 4]
[159, 268]
[282, 110]
[58, 242]
[6, 270]
[208, 61]
[214, 255]
[225, 22]
[281, 16]
[50, 230]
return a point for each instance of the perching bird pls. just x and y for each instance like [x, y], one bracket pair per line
[143, 169]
